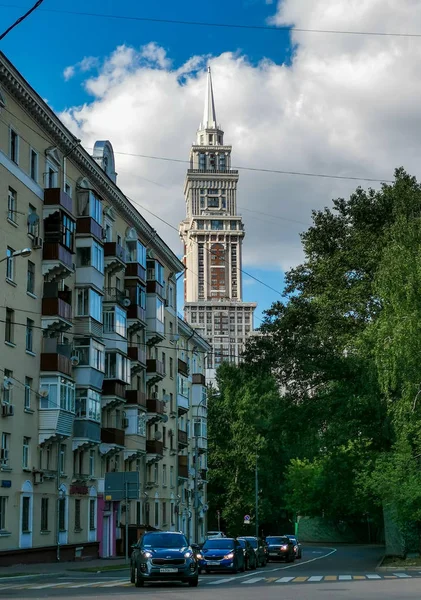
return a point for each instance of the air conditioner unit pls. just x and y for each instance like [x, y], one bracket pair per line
[125, 423]
[37, 243]
[4, 454]
[8, 410]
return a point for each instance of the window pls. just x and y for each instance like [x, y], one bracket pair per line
[5, 448]
[28, 390]
[33, 221]
[68, 232]
[25, 453]
[92, 507]
[12, 205]
[115, 321]
[141, 424]
[172, 477]
[136, 252]
[14, 146]
[93, 208]
[77, 514]
[89, 304]
[90, 353]
[117, 367]
[164, 475]
[33, 159]
[3, 506]
[171, 367]
[44, 514]
[29, 335]
[30, 278]
[217, 225]
[50, 176]
[159, 310]
[164, 513]
[62, 514]
[172, 514]
[68, 189]
[26, 506]
[62, 459]
[156, 472]
[9, 326]
[164, 362]
[60, 393]
[213, 202]
[88, 404]
[92, 460]
[10, 264]
[156, 519]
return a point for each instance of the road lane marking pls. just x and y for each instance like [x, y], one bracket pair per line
[254, 580]
[81, 585]
[47, 585]
[219, 581]
[402, 575]
[316, 578]
[333, 550]
[284, 580]
[114, 583]
[300, 579]
[331, 578]
[373, 576]
[345, 578]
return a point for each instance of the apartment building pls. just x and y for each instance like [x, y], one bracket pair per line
[213, 234]
[89, 347]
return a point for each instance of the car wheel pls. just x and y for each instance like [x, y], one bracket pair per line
[235, 568]
[132, 575]
[139, 581]
[194, 582]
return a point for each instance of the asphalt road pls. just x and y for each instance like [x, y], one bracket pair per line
[332, 572]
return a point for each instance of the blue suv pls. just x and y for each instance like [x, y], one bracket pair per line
[163, 556]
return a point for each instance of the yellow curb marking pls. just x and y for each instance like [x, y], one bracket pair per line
[331, 578]
[358, 577]
[300, 579]
[271, 579]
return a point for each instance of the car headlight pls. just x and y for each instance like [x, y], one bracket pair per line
[188, 554]
[147, 554]
[199, 556]
[230, 555]
[284, 547]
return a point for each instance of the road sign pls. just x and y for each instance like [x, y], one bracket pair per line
[122, 485]
[246, 517]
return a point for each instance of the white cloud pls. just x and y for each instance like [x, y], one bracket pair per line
[347, 105]
[86, 64]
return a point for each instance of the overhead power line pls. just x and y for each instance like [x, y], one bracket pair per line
[22, 18]
[275, 28]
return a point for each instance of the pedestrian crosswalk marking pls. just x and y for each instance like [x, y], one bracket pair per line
[373, 576]
[252, 580]
[345, 578]
[284, 580]
[219, 581]
[316, 578]
[402, 575]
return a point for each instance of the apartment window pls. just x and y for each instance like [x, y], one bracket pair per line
[68, 189]
[29, 335]
[10, 264]
[91, 256]
[172, 477]
[90, 353]
[68, 232]
[44, 514]
[117, 367]
[92, 507]
[172, 514]
[14, 146]
[92, 461]
[164, 475]
[164, 361]
[77, 514]
[156, 520]
[164, 513]
[89, 304]
[12, 205]
[50, 176]
[33, 158]
[3, 506]
[93, 208]
[33, 221]
[88, 404]
[171, 402]
[62, 465]
[62, 514]
[5, 448]
[115, 321]
[28, 390]
[26, 506]
[25, 453]
[9, 326]
[30, 278]
[60, 394]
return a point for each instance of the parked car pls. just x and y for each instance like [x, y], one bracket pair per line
[249, 554]
[297, 546]
[266, 549]
[165, 556]
[259, 549]
[280, 548]
[222, 554]
[215, 534]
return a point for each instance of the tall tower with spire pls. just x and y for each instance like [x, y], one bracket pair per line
[212, 234]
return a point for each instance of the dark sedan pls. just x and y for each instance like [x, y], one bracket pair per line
[297, 546]
[259, 549]
[280, 548]
[222, 554]
[249, 554]
[163, 556]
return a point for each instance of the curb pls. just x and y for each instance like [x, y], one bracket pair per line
[12, 577]
[379, 564]
[398, 568]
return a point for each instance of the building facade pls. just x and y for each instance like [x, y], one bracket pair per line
[213, 234]
[89, 355]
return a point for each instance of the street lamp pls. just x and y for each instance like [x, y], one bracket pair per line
[24, 252]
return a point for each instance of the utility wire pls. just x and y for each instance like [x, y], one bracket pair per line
[279, 28]
[22, 18]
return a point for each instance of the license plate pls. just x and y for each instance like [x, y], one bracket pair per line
[213, 562]
[168, 570]
[273, 554]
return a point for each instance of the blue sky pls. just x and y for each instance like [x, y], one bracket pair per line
[47, 42]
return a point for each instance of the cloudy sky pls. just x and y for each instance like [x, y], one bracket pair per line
[289, 100]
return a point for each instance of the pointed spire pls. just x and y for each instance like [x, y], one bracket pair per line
[209, 114]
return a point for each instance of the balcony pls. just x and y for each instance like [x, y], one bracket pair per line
[57, 262]
[154, 287]
[114, 296]
[55, 197]
[138, 357]
[203, 474]
[136, 318]
[112, 440]
[135, 445]
[155, 406]
[88, 275]
[154, 370]
[198, 379]
[114, 258]
[202, 443]
[182, 439]
[154, 449]
[86, 226]
[183, 467]
[86, 434]
[182, 404]
[136, 397]
[135, 271]
[113, 393]
[56, 315]
[183, 368]
[56, 363]
[54, 424]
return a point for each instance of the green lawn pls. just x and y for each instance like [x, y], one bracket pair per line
[395, 561]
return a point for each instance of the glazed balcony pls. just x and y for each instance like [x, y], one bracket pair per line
[182, 404]
[55, 197]
[112, 436]
[136, 397]
[138, 358]
[135, 271]
[182, 439]
[203, 474]
[154, 448]
[155, 370]
[114, 258]
[198, 379]
[54, 424]
[86, 434]
[86, 226]
[57, 262]
[183, 467]
[183, 368]
[56, 363]
[56, 314]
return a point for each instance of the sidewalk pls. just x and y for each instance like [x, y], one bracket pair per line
[61, 567]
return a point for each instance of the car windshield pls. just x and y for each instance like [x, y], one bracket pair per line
[253, 542]
[242, 543]
[277, 540]
[167, 540]
[222, 544]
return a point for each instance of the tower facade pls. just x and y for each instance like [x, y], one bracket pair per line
[213, 234]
